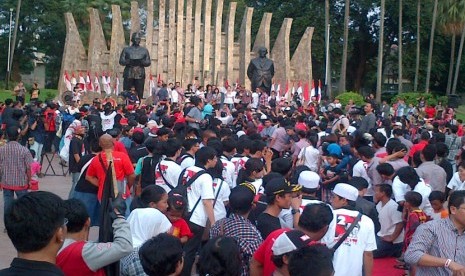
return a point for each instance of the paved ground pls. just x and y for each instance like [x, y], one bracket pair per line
[59, 185]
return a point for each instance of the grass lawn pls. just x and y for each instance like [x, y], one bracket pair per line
[44, 94]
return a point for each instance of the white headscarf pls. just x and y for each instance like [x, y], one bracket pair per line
[146, 223]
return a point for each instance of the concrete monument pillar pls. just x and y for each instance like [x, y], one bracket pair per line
[197, 32]
[97, 61]
[301, 61]
[171, 41]
[74, 53]
[217, 72]
[207, 68]
[245, 40]
[263, 36]
[161, 37]
[280, 53]
[179, 41]
[187, 75]
[135, 19]
[229, 52]
[117, 41]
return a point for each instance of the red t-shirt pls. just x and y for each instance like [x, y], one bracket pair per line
[301, 126]
[180, 229]
[417, 147]
[123, 168]
[264, 253]
[430, 111]
[119, 146]
[415, 218]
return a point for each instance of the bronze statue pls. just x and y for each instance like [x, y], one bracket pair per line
[261, 71]
[134, 58]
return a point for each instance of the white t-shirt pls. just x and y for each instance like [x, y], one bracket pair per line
[228, 171]
[107, 120]
[239, 163]
[171, 171]
[311, 157]
[222, 195]
[348, 258]
[187, 162]
[455, 184]
[229, 97]
[201, 188]
[147, 223]
[255, 97]
[174, 95]
[399, 189]
[389, 216]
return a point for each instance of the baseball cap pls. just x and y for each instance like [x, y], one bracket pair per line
[289, 241]
[123, 122]
[346, 191]
[398, 124]
[138, 129]
[278, 185]
[309, 180]
[153, 132]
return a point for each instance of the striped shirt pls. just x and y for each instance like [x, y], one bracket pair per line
[438, 238]
[15, 161]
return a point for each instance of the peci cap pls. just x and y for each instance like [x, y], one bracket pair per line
[309, 180]
[290, 241]
[278, 185]
[346, 191]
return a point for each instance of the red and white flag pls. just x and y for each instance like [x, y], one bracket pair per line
[306, 92]
[89, 85]
[109, 83]
[67, 82]
[97, 84]
[82, 83]
[105, 85]
[299, 88]
[116, 87]
[73, 81]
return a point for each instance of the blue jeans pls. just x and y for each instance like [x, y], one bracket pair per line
[9, 196]
[92, 205]
[387, 249]
[74, 181]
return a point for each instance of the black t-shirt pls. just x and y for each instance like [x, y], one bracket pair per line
[75, 147]
[27, 267]
[83, 185]
[137, 152]
[267, 223]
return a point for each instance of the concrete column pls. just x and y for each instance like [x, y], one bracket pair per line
[179, 41]
[245, 40]
[217, 71]
[263, 36]
[149, 32]
[197, 32]
[229, 53]
[171, 41]
[117, 41]
[301, 62]
[187, 74]
[98, 51]
[74, 53]
[135, 19]
[161, 37]
[207, 68]
[280, 53]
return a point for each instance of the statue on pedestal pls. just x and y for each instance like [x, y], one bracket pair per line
[134, 58]
[261, 71]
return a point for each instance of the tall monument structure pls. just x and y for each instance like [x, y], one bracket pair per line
[188, 43]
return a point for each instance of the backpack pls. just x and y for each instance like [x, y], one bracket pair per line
[183, 157]
[67, 120]
[185, 182]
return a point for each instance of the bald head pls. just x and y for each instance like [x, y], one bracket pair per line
[106, 141]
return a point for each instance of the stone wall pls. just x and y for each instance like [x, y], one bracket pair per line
[184, 46]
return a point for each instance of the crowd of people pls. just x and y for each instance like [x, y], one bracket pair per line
[225, 181]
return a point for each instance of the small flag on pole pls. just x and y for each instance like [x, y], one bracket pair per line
[67, 82]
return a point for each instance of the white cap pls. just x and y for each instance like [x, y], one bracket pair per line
[240, 133]
[398, 124]
[346, 191]
[309, 180]
[263, 117]
[289, 241]
[151, 124]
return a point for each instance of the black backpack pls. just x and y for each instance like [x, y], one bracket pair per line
[181, 188]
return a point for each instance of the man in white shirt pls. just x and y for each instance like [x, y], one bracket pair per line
[188, 158]
[457, 182]
[200, 197]
[167, 171]
[310, 154]
[355, 255]
[389, 239]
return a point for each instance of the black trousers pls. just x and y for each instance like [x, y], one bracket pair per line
[191, 247]
[137, 83]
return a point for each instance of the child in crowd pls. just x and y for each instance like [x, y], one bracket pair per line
[329, 177]
[437, 199]
[415, 217]
[35, 170]
[176, 209]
